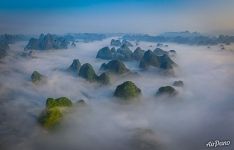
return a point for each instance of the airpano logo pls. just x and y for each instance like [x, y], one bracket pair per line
[217, 143]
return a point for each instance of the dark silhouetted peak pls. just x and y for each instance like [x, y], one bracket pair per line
[115, 66]
[115, 42]
[46, 42]
[75, 66]
[166, 90]
[105, 53]
[138, 53]
[87, 72]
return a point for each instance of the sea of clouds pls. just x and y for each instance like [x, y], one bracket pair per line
[202, 111]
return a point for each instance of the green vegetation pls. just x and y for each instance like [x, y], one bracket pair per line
[138, 54]
[51, 118]
[75, 66]
[53, 113]
[105, 53]
[166, 62]
[152, 59]
[127, 90]
[36, 77]
[104, 78]
[115, 66]
[166, 90]
[59, 102]
[149, 59]
[123, 53]
[87, 72]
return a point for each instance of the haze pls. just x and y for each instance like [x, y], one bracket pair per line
[199, 111]
[133, 16]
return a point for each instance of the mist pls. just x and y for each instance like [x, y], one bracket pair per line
[201, 112]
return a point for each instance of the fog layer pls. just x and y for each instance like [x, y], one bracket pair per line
[201, 112]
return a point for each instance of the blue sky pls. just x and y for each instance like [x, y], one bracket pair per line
[61, 4]
[134, 16]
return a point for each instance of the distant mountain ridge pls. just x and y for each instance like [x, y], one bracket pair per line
[186, 37]
[55, 41]
[6, 39]
[12, 38]
[46, 42]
